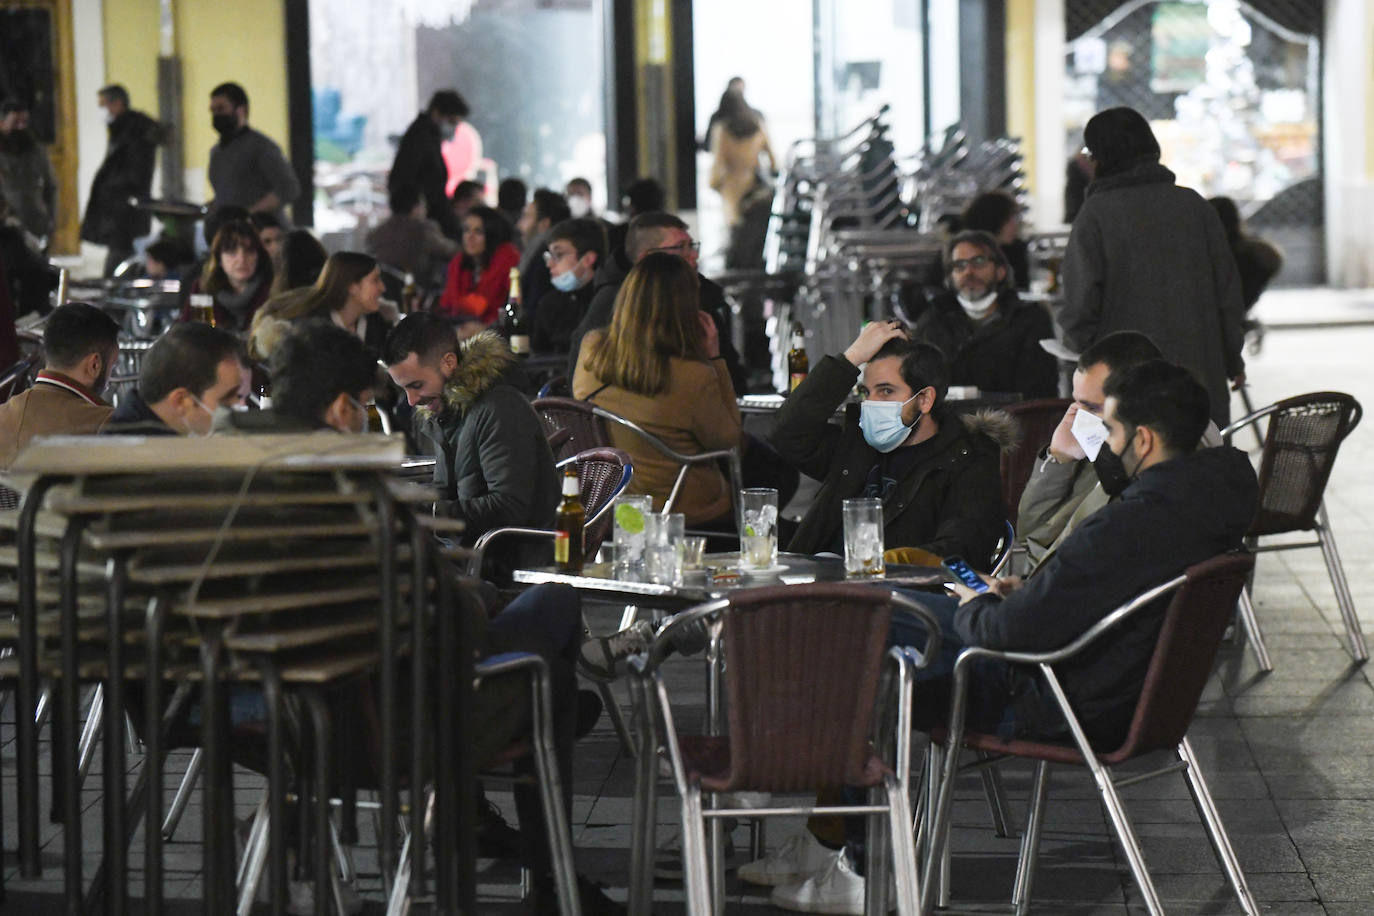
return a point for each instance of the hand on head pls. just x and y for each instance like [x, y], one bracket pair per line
[872, 338]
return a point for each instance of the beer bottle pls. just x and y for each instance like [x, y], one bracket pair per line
[203, 308]
[263, 390]
[512, 322]
[797, 363]
[410, 293]
[568, 543]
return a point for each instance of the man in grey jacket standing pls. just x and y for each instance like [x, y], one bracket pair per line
[246, 168]
[1146, 255]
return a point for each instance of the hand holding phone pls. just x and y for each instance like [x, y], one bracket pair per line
[965, 574]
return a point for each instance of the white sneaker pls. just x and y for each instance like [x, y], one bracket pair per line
[798, 858]
[836, 890]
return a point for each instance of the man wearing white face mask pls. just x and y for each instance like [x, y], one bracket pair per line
[126, 172]
[990, 338]
[189, 373]
[937, 472]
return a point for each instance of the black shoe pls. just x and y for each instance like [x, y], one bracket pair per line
[495, 838]
[543, 899]
[589, 708]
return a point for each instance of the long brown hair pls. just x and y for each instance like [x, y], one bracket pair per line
[655, 320]
[231, 237]
[330, 291]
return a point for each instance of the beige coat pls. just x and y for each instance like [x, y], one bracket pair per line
[45, 410]
[697, 413]
[735, 166]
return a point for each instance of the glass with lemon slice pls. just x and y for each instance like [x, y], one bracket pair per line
[628, 534]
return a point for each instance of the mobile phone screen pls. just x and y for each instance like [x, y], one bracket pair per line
[965, 573]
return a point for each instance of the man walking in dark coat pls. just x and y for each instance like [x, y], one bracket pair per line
[419, 161]
[127, 172]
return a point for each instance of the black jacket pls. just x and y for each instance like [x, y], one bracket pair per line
[948, 502]
[1000, 354]
[1175, 514]
[419, 163]
[611, 275]
[133, 417]
[557, 316]
[126, 172]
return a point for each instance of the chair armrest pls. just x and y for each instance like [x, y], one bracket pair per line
[507, 662]
[644, 664]
[1236, 425]
[479, 550]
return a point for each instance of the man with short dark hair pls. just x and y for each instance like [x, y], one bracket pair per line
[990, 338]
[545, 210]
[27, 179]
[126, 172]
[419, 161]
[80, 346]
[493, 467]
[576, 248]
[466, 195]
[272, 234]
[247, 169]
[411, 242]
[511, 195]
[188, 373]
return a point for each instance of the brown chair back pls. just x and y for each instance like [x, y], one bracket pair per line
[801, 672]
[1305, 432]
[604, 472]
[587, 430]
[1189, 637]
[1036, 420]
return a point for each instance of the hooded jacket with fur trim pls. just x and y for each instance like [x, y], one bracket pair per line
[948, 500]
[493, 466]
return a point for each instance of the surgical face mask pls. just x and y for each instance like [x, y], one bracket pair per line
[579, 206]
[882, 426]
[566, 282]
[191, 430]
[1089, 432]
[978, 309]
[109, 116]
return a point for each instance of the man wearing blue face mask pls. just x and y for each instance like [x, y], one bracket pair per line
[576, 248]
[937, 472]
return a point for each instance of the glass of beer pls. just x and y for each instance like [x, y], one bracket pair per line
[203, 308]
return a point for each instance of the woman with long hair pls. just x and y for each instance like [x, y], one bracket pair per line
[736, 139]
[302, 259]
[659, 365]
[478, 282]
[348, 292]
[238, 274]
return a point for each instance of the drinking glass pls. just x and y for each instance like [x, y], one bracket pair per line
[863, 537]
[693, 553]
[663, 533]
[630, 514]
[758, 533]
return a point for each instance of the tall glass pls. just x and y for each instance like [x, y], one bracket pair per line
[863, 537]
[663, 536]
[630, 514]
[758, 532]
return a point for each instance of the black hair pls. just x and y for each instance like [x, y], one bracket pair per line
[990, 211]
[233, 92]
[314, 364]
[645, 225]
[403, 197]
[511, 194]
[170, 252]
[114, 91]
[10, 106]
[468, 189]
[985, 241]
[302, 259]
[581, 183]
[423, 333]
[264, 220]
[75, 331]
[645, 195]
[585, 234]
[187, 356]
[449, 104]
[229, 213]
[1164, 397]
[495, 227]
[550, 205]
[1119, 350]
[923, 365]
[1119, 139]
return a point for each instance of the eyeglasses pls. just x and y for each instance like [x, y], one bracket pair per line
[680, 248]
[553, 257]
[980, 260]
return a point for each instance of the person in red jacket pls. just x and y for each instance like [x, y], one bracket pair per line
[478, 281]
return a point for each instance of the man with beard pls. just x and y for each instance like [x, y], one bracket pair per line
[246, 168]
[27, 179]
[111, 220]
[989, 336]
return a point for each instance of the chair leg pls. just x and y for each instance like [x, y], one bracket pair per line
[1343, 599]
[1030, 841]
[183, 796]
[1126, 834]
[944, 764]
[695, 881]
[617, 715]
[878, 873]
[996, 796]
[904, 867]
[1245, 608]
[646, 806]
[254, 860]
[1216, 831]
[90, 732]
[551, 795]
[717, 850]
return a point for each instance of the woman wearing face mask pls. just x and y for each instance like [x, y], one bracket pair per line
[347, 293]
[659, 365]
[238, 274]
[478, 281]
[937, 472]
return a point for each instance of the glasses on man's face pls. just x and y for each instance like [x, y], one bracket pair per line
[552, 257]
[681, 248]
[977, 261]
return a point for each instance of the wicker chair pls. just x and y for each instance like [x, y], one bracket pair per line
[1037, 420]
[574, 425]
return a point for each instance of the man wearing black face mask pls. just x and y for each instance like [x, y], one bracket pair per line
[246, 168]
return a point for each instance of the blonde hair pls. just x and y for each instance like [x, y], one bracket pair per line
[655, 320]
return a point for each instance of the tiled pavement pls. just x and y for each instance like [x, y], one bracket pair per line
[1289, 756]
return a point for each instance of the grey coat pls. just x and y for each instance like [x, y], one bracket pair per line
[1146, 255]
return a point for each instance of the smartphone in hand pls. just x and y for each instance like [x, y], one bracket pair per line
[964, 574]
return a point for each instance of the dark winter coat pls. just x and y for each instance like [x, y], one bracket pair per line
[1002, 353]
[1146, 255]
[949, 502]
[1177, 513]
[419, 163]
[126, 172]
